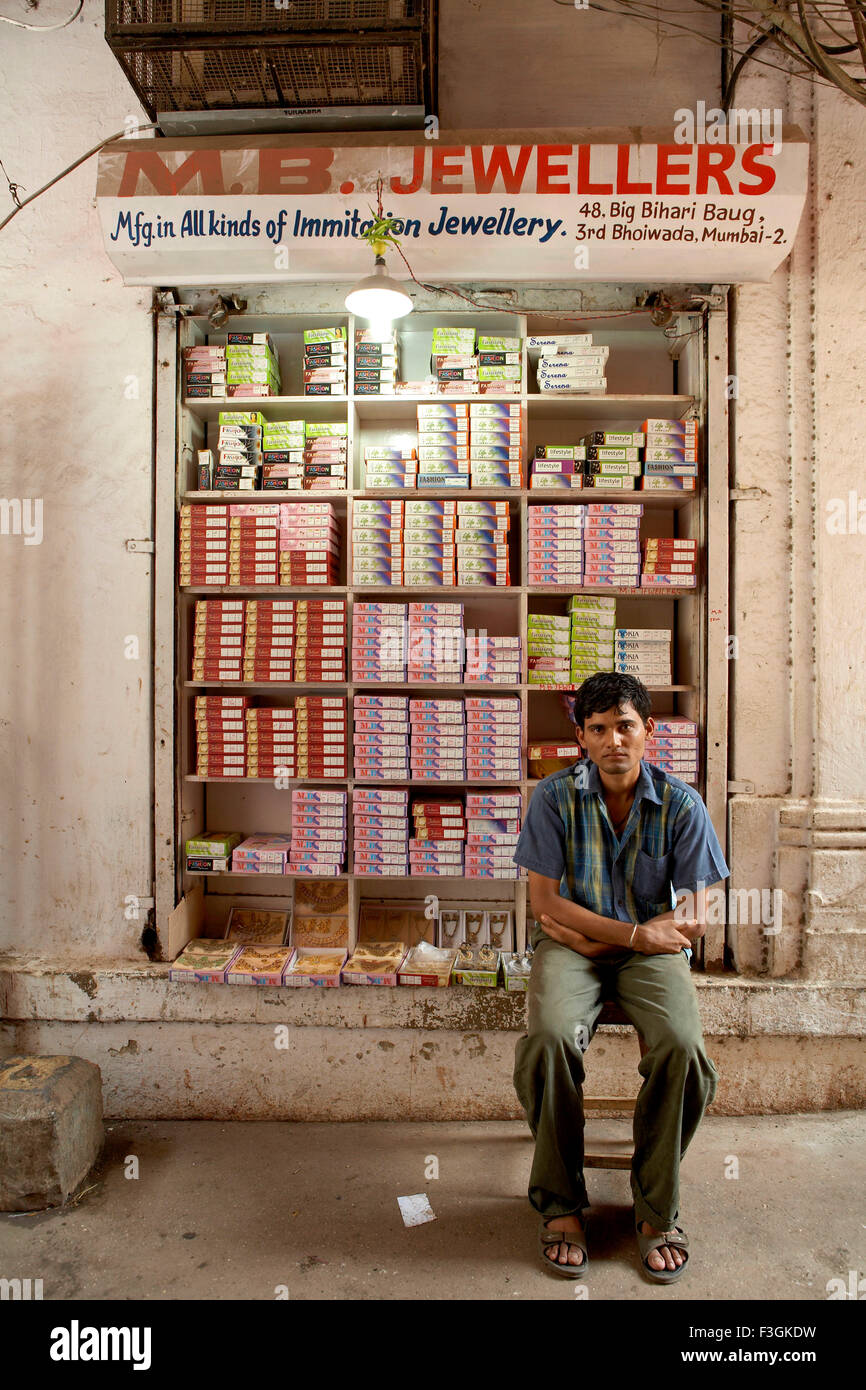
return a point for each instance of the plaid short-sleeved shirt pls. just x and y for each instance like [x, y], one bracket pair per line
[668, 842]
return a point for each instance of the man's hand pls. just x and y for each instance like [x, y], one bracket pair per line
[660, 936]
[568, 936]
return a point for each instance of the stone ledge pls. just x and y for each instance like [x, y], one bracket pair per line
[45, 990]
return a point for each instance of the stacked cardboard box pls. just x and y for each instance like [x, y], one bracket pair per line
[318, 832]
[376, 364]
[493, 659]
[493, 739]
[612, 459]
[380, 818]
[326, 454]
[220, 727]
[320, 643]
[325, 361]
[254, 541]
[555, 544]
[377, 541]
[204, 369]
[211, 851]
[234, 460]
[492, 832]
[674, 747]
[436, 848]
[453, 360]
[390, 466]
[379, 641]
[569, 364]
[252, 365]
[481, 543]
[321, 736]
[611, 544]
[549, 648]
[269, 640]
[500, 364]
[438, 740]
[443, 444]
[381, 737]
[309, 543]
[644, 652]
[429, 543]
[669, 562]
[282, 455]
[670, 455]
[477, 443]
[271, 742]
[203, 544]
[262, 854]
[557, 465]
[436, 643]
[593, 620]
[495, 444]
[218, 638]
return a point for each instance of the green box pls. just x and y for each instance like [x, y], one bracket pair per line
[321, 431]
[488, 344]
[325, 335]
[213, 844]
[241, 417]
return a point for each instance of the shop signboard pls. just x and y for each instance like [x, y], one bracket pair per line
[271, 209]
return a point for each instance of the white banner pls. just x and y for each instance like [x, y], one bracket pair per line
[266, 209]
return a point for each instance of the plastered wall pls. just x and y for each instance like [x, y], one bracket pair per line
[75, 818]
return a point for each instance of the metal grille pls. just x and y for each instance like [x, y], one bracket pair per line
[260, 14]
[219, 79]
[203, 55]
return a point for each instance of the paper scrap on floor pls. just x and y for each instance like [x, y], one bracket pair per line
[416, 1210]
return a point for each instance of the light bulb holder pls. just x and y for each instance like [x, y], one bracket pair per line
[378, 296]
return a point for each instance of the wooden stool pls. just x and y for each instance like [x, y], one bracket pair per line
[610, 1153]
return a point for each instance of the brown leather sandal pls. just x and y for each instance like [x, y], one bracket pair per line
[548, 1236]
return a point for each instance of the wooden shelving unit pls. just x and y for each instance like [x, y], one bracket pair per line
[642, 370]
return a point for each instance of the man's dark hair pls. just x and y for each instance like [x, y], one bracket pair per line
[608, 690]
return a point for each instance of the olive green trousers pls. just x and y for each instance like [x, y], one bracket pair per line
[566, 992]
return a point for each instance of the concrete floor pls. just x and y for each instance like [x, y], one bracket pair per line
[233, 1210]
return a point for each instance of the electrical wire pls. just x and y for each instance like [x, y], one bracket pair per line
[43, 28]
[118, 135]
[653, 21]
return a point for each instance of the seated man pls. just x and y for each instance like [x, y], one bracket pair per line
[608, 843]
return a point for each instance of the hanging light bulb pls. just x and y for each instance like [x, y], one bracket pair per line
[379, 299]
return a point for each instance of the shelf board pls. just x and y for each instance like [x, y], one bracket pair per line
[209, 407]
[257, 495]
[441, 590]
[332, 783]
[672, 499]
[404, 406]
[286, 590]
[442, 687]
[662, 689]
[540, 404]
[461, 494]
[578, 589]
[608, 407]
[265, 685]
[469, 687]
[229, 873]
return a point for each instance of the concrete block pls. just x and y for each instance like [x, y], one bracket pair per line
[50, 1129]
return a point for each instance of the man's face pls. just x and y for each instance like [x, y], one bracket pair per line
[614, 739]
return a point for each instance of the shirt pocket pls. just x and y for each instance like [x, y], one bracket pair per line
[651, 881]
